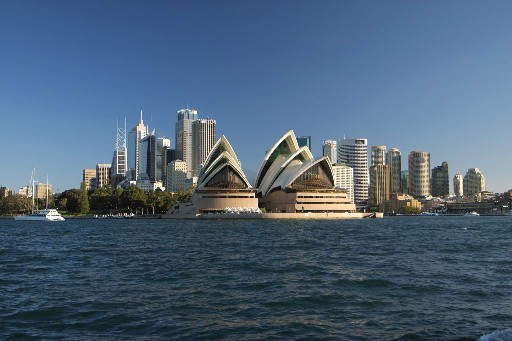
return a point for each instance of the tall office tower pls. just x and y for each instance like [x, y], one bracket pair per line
[87, 176]
[344, 179]
[162, 145]
[457, 185]
[168, 155]
[330, 149]
[474, 182]
[119, 167]
[378, 155]
[102, 175]
[134, 137]
[304, 141]
[404, 181]
[354, 153]
[176, 175]
[394, 161]
[203, 140]
[419, 174]
[379, 184]
[151, 151]
[184, 137]
[440, 180]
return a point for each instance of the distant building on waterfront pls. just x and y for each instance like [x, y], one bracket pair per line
[330, 149]
[204, 136]
[344, 179]
[474, 182]
[25, 191]
[151, 150]
[458, 185]
[5, 192]
[400, 203]
[119, 160]
[404, 181]
[304, 141]
[88, 178]
[394, 161]
[176, 175]
[440, 180]
[42, 189]
[184, 137]
[102, 175]
[134, 137]
[419, 174]
[354, 153]
[379, 184]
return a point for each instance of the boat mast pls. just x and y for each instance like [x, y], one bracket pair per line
[32, 181]
[46, 191]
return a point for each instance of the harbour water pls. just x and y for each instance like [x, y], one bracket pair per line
[397, 278]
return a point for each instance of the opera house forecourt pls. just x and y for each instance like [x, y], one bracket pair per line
[290, 184]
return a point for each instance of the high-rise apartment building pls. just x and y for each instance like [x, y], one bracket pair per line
[394, 161]
[119, 160]
[354, 153]
[458, 185]
[134, 137]
[474, 182]
[330, 149]
[304, 141]
[176, 175]
[184, 137]
[344, 179]
[203, 139]
[102, 175]
[419, 174]
[42, 189]
[87, 178]
[379, 184]
[440, 180]
[378, 154]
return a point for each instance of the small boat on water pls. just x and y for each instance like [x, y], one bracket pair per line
[471, 214]
[48, 214]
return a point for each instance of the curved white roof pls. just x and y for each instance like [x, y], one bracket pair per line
[288, 142]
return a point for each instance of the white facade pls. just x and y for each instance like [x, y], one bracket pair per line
[134, 137]
[458, 185]
[330, 149]
[474, 182]
[419, 174]
[203, 140]
[176, 175]
[354, 153]
[184, 137]
[102, 174]
[344, 179]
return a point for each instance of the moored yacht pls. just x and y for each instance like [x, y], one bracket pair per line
[471, 214]
[47, 214]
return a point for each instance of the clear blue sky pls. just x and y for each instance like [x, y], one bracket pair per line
[416, 75]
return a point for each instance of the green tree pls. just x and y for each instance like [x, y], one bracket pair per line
[133, 198]
[77, 201]
[100, 199]
[15, 204]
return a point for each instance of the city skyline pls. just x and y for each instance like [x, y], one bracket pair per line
[416, 76]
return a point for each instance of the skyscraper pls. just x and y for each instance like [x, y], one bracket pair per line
[379, 177]
[344, 179]
[440, 180]
[457, 185]
[304, 141]
[330, 149]
[474, 182]
[176, 175]
[134, 137]
[184, 137]
[394, 161]
[119, 167]
[354, 153]
[151, 151]
[419, 174]
[378, 155]
[203, 140]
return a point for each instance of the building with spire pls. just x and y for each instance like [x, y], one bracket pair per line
[134, 137]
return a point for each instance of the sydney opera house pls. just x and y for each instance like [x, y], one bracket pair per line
[290, 183]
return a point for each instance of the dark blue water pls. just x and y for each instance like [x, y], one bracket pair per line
[401, 278]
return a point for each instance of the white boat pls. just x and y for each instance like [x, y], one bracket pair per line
[471, 214]
[48, 214]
